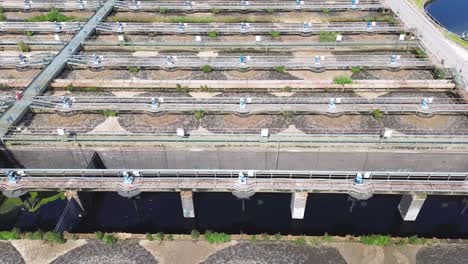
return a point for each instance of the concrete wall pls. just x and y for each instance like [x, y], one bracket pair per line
[241, 158]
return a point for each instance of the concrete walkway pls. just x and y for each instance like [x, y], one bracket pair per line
[446, 51]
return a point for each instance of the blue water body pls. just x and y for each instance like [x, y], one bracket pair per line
[452, 14]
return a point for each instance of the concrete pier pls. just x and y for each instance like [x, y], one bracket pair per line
[410, 205]
[187, 204]
[298, 204]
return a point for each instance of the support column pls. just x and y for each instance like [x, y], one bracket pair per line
[74, 195]
[410, 205]
[298, 204]
[187, 204]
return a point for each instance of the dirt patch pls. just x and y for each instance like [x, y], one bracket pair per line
[438, 122]
[41, 252]
[446, 254]
[85, 121]
[275, 252]
[128, 251]
[249, 124]
[346, 123]
[10, 254]
[166, 123]
[391, 75]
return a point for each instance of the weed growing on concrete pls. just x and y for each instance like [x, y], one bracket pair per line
[287, 89]
[287, 115]
[356, 69]
[10, 235]
[325, 36]
[215, 11]
[34, 235]
[159, 236]
[270, 10]
[28, 33]
[265, 236]
[280, 69]
[253, 238]
[195, 234]
[204, 88]
[325, 10]
[109, 239]
[199, 114]
[133, 69]
[51, 16]
[439, 74]
[170, 237]
[376, 240]
[149, 237]
[2, 15]
[342, 79]
[99, 235]
[23, 47]
[108, 113]
[377, 114]
[275, 34]
[70, 88]
[151, 35]
[415, 240]
[182, 89]
[163, 10]
[278, 236]
[419, 53]
[300, 241]
[206, 68]
[327, 238]
[212, 34]
[217, 238]
[54, 237]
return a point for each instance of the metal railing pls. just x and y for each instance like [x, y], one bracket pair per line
[40, 27]
[46, 5]
[38, 60]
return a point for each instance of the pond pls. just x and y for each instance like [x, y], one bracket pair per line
[452, 14]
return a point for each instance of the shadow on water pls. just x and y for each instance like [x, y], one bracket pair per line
[336, 214]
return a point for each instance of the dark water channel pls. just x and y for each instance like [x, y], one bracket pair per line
[452, 14]
[441, 216]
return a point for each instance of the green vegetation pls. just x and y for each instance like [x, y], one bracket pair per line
[415, 240]
[204, 88]
[457, 39]
[326, 36]
[151, 35]
[278, 236]
[195, 19]
[377, 114]
[215, 11]
[287, 89]
[70, 88]
[108, 113]
[265, 236]
[23, 47]
[376, 240]
[382, 17]
[327, 238]
[217, 238]
[439, 74]
[28, 33]
[356, 69]
[182, 89]
[133, 69]
[287, 115]
[54, 237]
[159, 236]
[280, 69]
[212, 34]
[195, 234]
[45, 200]
[109, 239]
[325, 10]
[270, 10]
[275, 34]
[419, 53]
[300, 241]
[10, 204]
[170, 237]
[53, 15]
[99, 235]
[38, 235]
[2, 15]
[420, 3]
[253, 238]
[163, 10]
[4, 86]
[342, 79]
[10, 235]
[149, 237]
[199, 114]
[206, 68]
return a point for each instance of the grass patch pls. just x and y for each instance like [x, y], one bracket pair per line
[54, 237]
[212, 34]
[10, 235]
[199, 114]
[2, 15]
[23, 47]
[133, 69]
[51, 16]
[149, 237]
[377, 114]
[275, 34]
[326, 36]
[342, 79]
[280, 69]
[457, 39]
[217, 238]
[108, 113]
[270, 10]
[206, 68]
[376, 240]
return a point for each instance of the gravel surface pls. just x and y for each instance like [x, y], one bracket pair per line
[390, 75]
[275, 252]
[125, 252]
[447, 254]
[9, 254]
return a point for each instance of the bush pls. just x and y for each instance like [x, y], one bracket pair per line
[206, 68]
[149, 237]
[133, 69]
[70, 88]
[212, 34]
[278, 236]
[109, 239]
[159, 236]
[326, 36]
[163, 10]
[23, 47]
[199, 114]
[182, 89]
[108, 113]
[99, 235]
[377, 114]
[217, 238]
[376, 240]
[195, 234]
[53, 15]
[356, 69]
[10, 235]
[439, 74]
[54, 237]
[280, 69]
[28, 33]
[342, 79]
[34, 235]
[275, 34]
